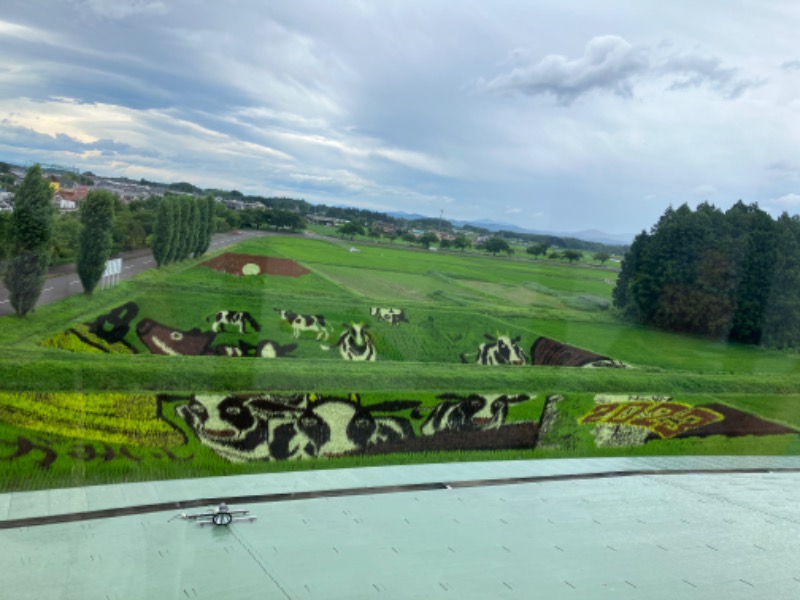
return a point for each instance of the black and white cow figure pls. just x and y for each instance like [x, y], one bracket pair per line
[234, 318]
[299, 323]
[264, 349]
[502, 350]
[270, 349]
[355, 343]
[468, 413]
[244, 428]
[392, 316]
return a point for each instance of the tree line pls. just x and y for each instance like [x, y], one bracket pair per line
[179, 227]
[184, 226]
[732, 275]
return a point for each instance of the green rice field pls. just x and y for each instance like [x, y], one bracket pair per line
[96, 410]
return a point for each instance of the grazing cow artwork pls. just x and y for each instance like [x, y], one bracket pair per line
[502, 350]
[270, 427]
[106, 334]
[475, 412]
[244, 428]
[546, 351]
[115, 325]
[392, 316]
[300, 323]
[264, 349]
[229, 351]
[238, 320]
[161, 339]
[271, 349]
[355, 343]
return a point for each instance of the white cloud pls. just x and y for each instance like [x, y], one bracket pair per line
[23, 32]
[613, 65]
[787, 201]
[704, 190]
[609, 63]
[791, 65]
[121, 9]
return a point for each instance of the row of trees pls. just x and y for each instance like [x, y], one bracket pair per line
[28, 235]
[732, 275]
[29, 232]
[184, 226]
[494, 245]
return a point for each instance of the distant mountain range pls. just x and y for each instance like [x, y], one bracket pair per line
[588, 235]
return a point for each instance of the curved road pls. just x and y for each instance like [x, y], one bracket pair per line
[63, 281]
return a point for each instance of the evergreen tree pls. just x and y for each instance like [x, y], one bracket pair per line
[782, 312]
[31, 230]
[94, 249]
[733, 275]
[175, 229]
[211, 223]
[202, 226]
[163, 232]
[631, 265]
[194, 227]
[187, 203]
[753, 235]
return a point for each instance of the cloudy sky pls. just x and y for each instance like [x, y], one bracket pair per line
[551, 115]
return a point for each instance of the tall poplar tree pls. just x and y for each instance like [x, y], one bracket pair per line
[163, 232]
[96, 238]
[31, 231]
[174, 229]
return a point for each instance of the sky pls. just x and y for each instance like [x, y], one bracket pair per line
[550, 115]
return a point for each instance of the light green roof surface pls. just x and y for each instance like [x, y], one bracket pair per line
[723, 535]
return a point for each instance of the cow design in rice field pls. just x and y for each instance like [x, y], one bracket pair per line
[161, 339]
[501, 350]
[475, 412]
[546, 351]
[236, 319]
[355, 343]
[292, 427]
[264, 349]
[392, 316]
[300, 323]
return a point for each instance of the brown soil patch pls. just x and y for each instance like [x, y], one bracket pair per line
[737, 424]
[246, 264]
[507, 437]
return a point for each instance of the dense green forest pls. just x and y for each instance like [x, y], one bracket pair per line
[731, 275]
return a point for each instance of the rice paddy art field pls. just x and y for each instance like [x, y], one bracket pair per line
[286, 353]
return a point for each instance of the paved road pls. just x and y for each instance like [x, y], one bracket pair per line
[63, 281]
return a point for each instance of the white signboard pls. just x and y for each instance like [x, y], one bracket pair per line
[112, 272]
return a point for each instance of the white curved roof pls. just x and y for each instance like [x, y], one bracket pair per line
[574, 533]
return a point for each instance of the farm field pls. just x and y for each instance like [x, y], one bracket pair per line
[124, 385]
